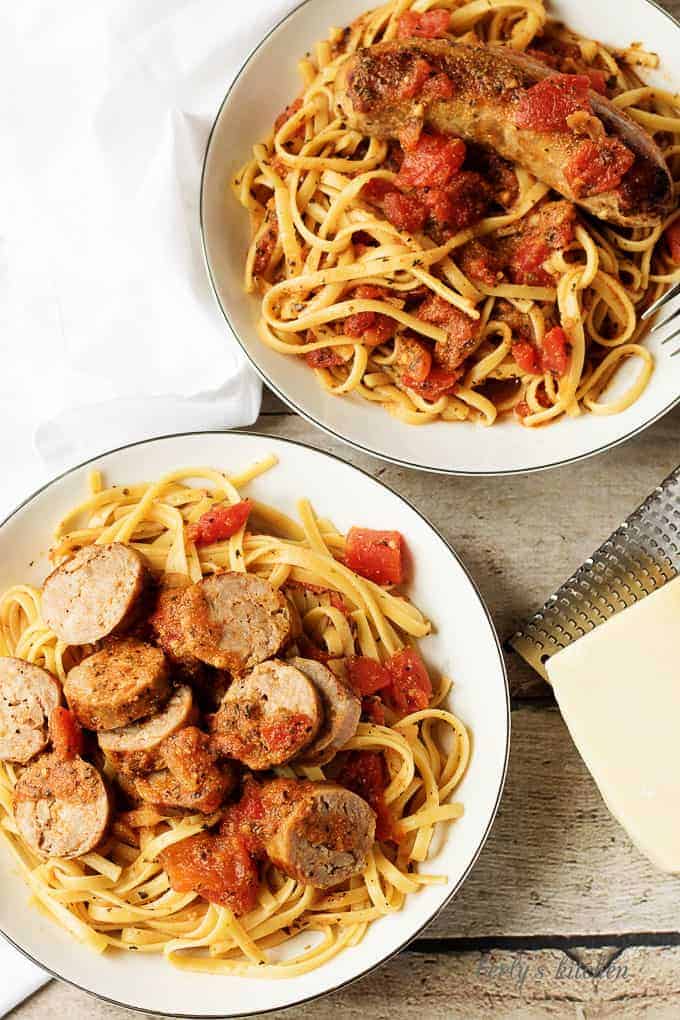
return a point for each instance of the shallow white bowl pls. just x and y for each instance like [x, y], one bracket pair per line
[465, 646]
[265, 84]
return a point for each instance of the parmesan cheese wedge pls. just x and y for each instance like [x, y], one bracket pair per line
[618, 689]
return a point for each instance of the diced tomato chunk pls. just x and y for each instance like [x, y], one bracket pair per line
[672, 236]
[432, 163]
[405, 212]
[598, 166]
[414, 80]
[553, 356]
[547, 104]
[461, 330]
[219, 868]
[439, 86]
[598, 80]
[372, 328]
[366, 675]
[66, 734]
[522, 409]
[461, 204]
[365, 773]
[439, 383]
[356, 325]
[556, 351]
[220, 523]
[413, 360]
[480, 263]
[429, 25]
[376, 189]
[411, 688]
[323, 357]
[526, 262]
[527, 357]
[376, 555]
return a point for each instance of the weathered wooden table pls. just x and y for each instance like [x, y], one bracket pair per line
[561, 917]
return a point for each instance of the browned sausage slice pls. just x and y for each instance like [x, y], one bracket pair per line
[234, 621]
[137, 748]
[94, 594]
[268, 716]
[324, 832]
[124, 681]
[167, 624]
[61, 807]
[28, 694]
[487, 84]
[341, 709]
[191, 780]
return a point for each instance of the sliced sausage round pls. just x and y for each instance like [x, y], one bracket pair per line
[167, 623]
[341, 710]
[137, 748]
[61, 807]
[234, 621]
[124, 681]
[28, 694]
[93, 594]
[323, 835]
[268, 716]
[191, 779]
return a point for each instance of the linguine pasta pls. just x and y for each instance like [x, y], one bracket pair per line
[120, 896]
[303, 191]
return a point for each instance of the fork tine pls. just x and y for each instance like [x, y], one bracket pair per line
[664, 322]
[660, 302]
[675, 353]
[671, 336]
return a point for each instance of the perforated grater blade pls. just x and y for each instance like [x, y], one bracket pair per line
[641, 556]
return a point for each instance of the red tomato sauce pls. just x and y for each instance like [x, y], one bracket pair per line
[411, 688]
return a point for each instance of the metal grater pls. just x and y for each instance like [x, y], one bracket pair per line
[642, 555]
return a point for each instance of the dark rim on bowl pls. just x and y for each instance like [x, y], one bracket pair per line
[452, 893]
[355, 444]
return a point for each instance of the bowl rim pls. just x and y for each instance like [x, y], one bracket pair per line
[307, 415]
[508, 726]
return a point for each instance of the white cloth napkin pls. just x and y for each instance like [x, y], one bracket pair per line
[104, 299]
[20, 978]
[108, 329]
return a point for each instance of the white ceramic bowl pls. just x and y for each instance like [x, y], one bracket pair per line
[465, 646]
[266, 82]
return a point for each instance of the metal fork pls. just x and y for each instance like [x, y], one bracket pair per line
[672, 292]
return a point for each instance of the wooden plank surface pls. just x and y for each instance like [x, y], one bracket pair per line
[561, 917]
[641, 983]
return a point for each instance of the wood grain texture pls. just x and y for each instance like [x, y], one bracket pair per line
[635, 984]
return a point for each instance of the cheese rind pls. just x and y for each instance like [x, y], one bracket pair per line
[618, 689]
